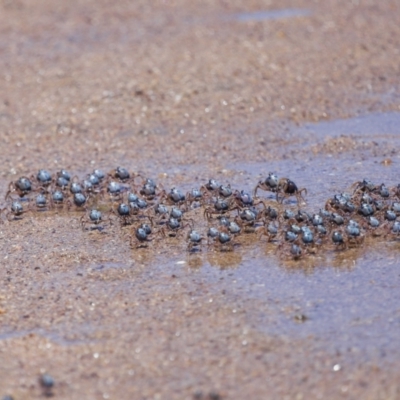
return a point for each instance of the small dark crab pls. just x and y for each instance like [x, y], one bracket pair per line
[15, 211]
[99, 173]
[79, 200]
[141, 236]
[75, 187]
[57, 199]
[63, 178]
[138, 207]
[94, 180]
[287, 188]
[22, 186]
[194, 197]
[363, 186]
[244, 199]
[210, 188]
[248, 218]
[174, 227]
[351, 236]
[121, 174]
[366, 209]
[194, 240]
[212, 234]
[394, 230]
[307, 239]
[234, 228]
[93, 218]
[220, 207]
[272, 214]
[342, 202]
[269, 184]
[125, 213]
[44, 178]
[149, 189]
[176, 213]
[383, 191]
[161, 212]
[225, 191]
[40, 203]
[353, 228]
[174, 196]
[338, 240]
[114, 190]
[224, 241]
[270, 231]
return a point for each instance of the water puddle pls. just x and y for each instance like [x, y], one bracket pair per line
[271, 15]
[373, 126]
[60, 335]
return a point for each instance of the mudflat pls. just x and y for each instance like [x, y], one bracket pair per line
[183, 91]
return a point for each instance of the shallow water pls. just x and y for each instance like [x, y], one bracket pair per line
[374, 125]
[267, 15]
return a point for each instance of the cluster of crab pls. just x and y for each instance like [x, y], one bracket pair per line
[345, 221]
[136, 201]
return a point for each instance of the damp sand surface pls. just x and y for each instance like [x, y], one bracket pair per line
[161, 89]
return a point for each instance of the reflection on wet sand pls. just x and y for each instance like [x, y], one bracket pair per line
[225, 260]
[195, 260]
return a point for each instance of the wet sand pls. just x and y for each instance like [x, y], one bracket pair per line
[184, 91]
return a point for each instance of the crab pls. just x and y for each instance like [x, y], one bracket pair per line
[194, 240]
[220, 207]
[351, 236]
[269, 184]
[363, 186]
[22, 186]
[270, 231]
[288, 188]
[93, 218]
[224, 241]
[141, 236]
[15, 211]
